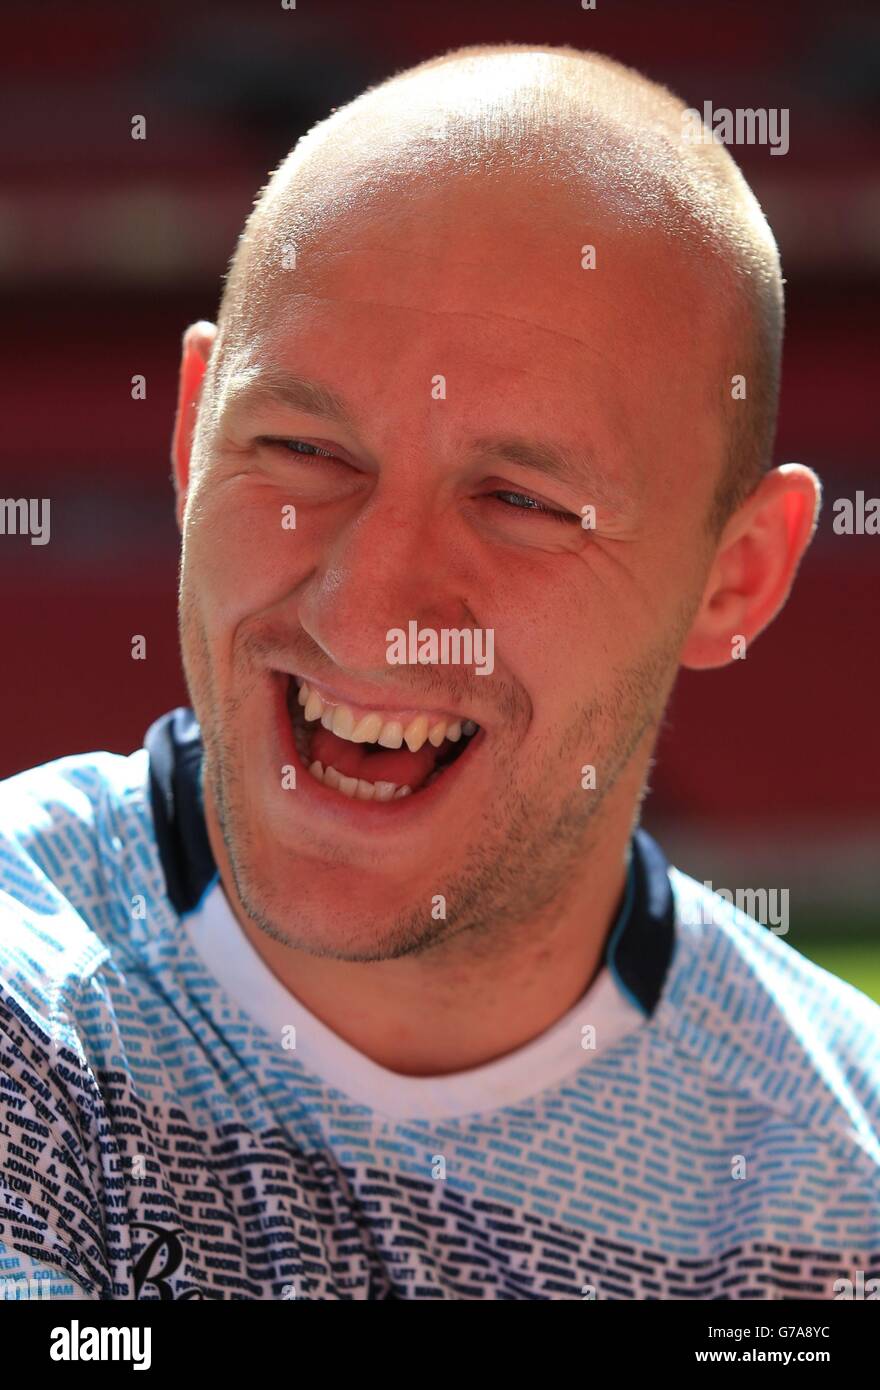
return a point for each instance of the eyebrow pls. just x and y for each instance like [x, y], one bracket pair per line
[246, 391]
[574, 468]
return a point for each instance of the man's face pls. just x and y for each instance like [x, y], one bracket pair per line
[461, 331]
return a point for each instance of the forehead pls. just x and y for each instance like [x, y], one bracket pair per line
[557, 255]
[524, 295]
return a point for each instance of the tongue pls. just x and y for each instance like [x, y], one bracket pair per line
[386, 765]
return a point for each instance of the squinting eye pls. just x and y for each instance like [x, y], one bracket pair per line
[525, 503]
[299, 446]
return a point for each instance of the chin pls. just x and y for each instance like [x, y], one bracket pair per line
[331, 909]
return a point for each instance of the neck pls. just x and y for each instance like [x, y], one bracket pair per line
[455, 1007]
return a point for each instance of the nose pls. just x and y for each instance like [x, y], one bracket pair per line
[385, 567]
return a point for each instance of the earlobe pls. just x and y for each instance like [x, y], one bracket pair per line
[198, 341]
[754, 567]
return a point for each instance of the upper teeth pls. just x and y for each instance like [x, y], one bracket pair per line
[385, 729]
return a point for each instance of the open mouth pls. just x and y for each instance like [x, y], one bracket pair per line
[372, 755]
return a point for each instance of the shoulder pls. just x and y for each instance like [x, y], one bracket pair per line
[57, 811]
[756, 1017]
[76, 843]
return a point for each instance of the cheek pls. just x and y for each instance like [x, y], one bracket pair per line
[243, 551]
[579, 637]
[553, 629]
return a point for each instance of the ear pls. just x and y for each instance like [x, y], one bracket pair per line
[198, 341]
[755, 564]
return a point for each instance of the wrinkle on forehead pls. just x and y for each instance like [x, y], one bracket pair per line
[488, 317]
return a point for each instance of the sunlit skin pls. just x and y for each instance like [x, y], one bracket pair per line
[484, 285]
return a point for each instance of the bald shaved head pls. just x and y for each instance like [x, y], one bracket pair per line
[612, 143]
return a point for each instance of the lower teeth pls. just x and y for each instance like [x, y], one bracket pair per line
[355, 787]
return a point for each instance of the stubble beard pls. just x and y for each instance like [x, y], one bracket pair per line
[515, 875]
